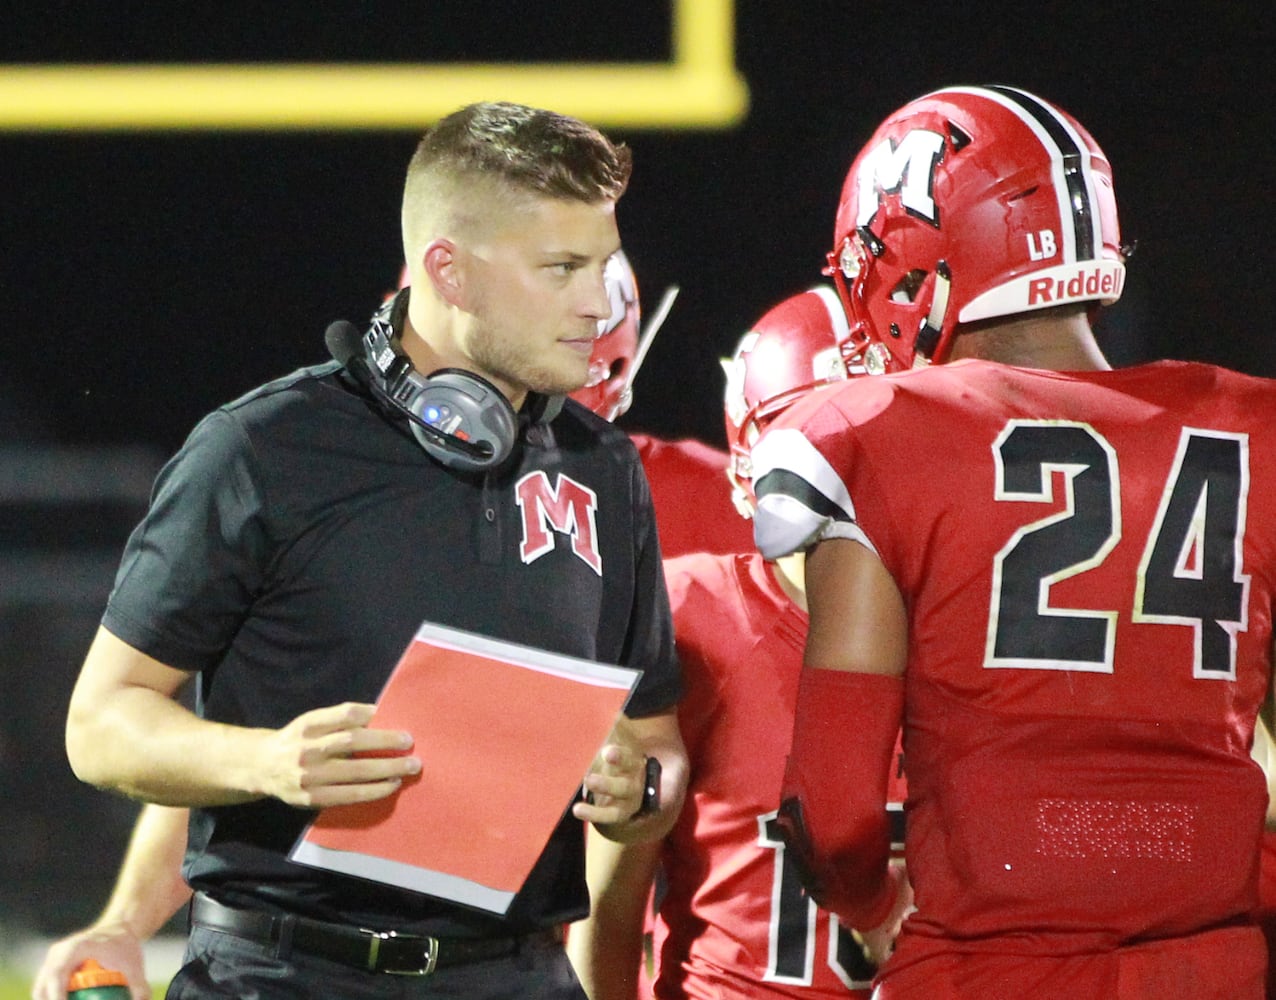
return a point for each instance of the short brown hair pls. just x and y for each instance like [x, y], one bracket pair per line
[544, 152]
[511, 146]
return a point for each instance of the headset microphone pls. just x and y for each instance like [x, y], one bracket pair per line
[345, 344]
[459, 418]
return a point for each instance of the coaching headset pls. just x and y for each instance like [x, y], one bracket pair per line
[458, 417]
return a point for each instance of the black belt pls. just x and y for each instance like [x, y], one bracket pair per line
[371, 951]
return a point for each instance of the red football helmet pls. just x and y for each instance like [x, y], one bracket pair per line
[795, 347]
[608, 391]
[967, 204]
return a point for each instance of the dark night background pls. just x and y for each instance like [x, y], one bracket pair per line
[149, 277]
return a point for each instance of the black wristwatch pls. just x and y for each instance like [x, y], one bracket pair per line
[650, 789]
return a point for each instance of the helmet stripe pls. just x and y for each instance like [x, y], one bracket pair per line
[1076, 167]
[1074, 184]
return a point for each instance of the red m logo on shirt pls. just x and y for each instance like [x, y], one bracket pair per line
[567, 507]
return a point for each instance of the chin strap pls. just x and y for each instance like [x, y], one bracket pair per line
[933, 325]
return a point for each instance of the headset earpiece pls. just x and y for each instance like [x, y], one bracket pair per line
[458, 417]
[460, 407]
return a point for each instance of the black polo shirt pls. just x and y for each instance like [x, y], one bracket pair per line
[297, 541]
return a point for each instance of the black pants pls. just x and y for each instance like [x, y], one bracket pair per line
[221, 965]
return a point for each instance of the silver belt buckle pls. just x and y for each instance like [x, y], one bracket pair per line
[428, 959]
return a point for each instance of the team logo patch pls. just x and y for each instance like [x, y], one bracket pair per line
[566, 508]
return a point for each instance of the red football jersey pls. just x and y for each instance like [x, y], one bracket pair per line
[1088, 561]
[1267, 907]
[692, 497]
[733, 920]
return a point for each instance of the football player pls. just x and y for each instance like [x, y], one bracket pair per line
[732, 918]
[1059, 576]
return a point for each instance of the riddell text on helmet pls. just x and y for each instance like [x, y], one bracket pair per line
[1088, 283]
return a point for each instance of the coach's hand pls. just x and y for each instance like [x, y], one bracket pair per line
[617, 780]
[329, 757]
[614, 786]
[114, 946]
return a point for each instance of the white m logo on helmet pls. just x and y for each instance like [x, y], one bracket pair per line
[907, 169]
